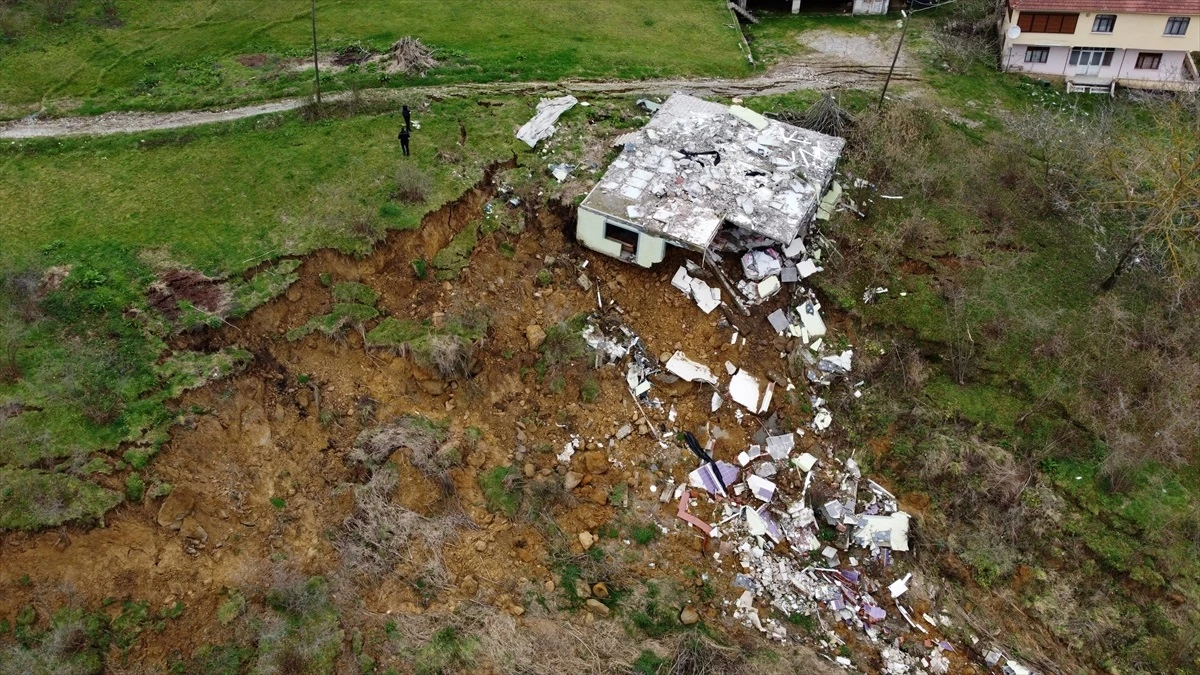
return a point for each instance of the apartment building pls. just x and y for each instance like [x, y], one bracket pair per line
[1097, 45]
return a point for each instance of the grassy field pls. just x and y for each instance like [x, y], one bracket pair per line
[220, 200]
[184, 53]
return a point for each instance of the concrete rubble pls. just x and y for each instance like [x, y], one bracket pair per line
[541, 126]
[698, 165]
[803, 531]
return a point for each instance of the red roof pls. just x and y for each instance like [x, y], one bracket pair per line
[1171, 7]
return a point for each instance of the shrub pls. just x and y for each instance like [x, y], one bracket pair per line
[412, 184]
[544, 277]
[644, 534]
[334, 323]
[453, 259]
[135, 488]
[564, 344]
[233, 607]
[590, 390]
[450, 349]
[381, 535]
[448, 651]
[57, 11]
[354, 293]
[499, 490]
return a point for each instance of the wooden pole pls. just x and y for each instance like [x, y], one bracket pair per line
[895, 57]
[316, 66]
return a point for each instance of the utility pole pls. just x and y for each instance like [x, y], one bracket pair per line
[316, 66]
[895, 57]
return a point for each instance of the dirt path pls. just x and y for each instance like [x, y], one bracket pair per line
[780, 80]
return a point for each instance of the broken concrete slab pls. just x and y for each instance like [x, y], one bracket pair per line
[541, 126]
[743, 389]
[686, 369]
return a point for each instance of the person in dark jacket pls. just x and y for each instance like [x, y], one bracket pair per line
[407, 118]
[404, 136]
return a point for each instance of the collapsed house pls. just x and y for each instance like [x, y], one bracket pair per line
[698, 166]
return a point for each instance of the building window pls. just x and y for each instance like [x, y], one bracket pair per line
[1104, 23]
[1148, 61]
[1177, 25]
[1091, 56]
[1043, 22]
[1037, 54]
[628, 239]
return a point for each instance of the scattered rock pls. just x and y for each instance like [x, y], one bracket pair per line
[191, 529]
[600, 590]
[596, 462]
[599, 496]
[516, 610]
[177, 506]
[688, 616]
[586, 540]
[624, 432]
[571, 480]
[481, 546]
[596, 607]
[530, 470]
[535, 335]
[549, 585]
[581, 589]
[469, 585]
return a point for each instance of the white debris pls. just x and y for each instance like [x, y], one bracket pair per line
[758, 265]
[887, 531]
[768, 287]
[766, 400]
[752, 118]
[689, 370]
[822, 420]
[900, 586]
[761, 488]
[810, 317]
[542, 124]
[805, 462]
[706, 298]
[716, 402]
[1013, 668]
[779, 447]
[683, 281]
[743, 389]
[806, 268]
[837, 364]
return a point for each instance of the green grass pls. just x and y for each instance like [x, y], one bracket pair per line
[344, 315]
[94, 366]
[184, 54]
[500, 497]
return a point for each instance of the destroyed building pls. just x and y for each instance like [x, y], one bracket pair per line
[698, 166]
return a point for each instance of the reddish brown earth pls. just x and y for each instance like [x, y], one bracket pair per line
[248, 440]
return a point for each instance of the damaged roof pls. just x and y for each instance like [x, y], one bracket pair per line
[697, 164]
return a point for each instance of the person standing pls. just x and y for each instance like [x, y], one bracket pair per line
[404, 136]
[407, 118]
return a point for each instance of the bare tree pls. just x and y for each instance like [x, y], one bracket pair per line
[1148, 194]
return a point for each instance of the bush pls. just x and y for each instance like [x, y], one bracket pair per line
[354, 293]
[135, 488]
[412, 185]
[499, 490]
[381, 535]
[232, 608]
[57, 11]
[590, 390]
[450, 349]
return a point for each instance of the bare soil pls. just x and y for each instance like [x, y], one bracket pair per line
[260, 437]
